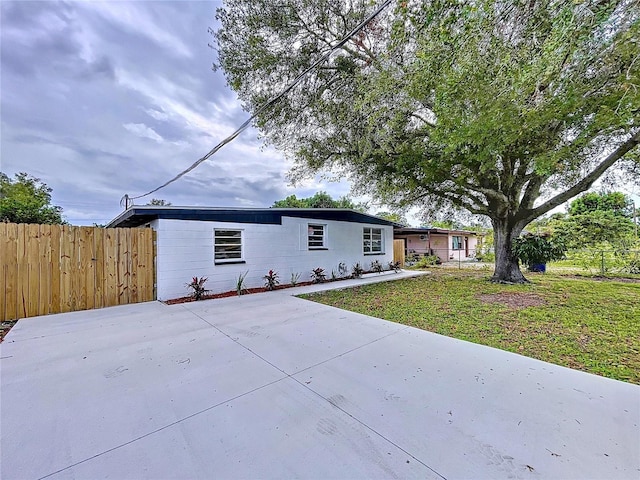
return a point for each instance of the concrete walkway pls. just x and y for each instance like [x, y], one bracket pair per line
[273, 386]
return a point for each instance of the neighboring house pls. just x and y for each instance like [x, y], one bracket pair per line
[222, 243]
[446, 244]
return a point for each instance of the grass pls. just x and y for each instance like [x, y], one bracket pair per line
[585, 324]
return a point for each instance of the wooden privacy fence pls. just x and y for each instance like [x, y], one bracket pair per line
[398, 251]
[57, 268]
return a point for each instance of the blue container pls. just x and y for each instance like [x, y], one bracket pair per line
[538, 267]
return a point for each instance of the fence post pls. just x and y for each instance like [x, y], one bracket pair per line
[602, 262]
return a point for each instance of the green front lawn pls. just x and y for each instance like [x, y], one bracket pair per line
[585, 324]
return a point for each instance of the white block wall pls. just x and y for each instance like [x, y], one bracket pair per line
[185, 250]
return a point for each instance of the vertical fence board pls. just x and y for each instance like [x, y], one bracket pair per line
[125, 234]
[133, 278]
[23, 274]
[44, 257]
[66, 262]
[56, 272]
[32, 249]
[81, 276]
[145, 247]
[151, 265]
[89, 260]
[74, 272]
[100, 267]
[4, 254]
[148, 265]
[111, 267]
[141, 246]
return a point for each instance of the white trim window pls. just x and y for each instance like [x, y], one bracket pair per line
[372, 241]
[316, 237]
[456, 242]
[227, 245]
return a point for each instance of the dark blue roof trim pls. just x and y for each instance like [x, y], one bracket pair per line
[136, 216]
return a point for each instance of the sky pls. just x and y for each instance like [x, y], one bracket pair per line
[102, 99]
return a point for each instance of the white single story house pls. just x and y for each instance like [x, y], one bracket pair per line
[448, 245]
[223, 243]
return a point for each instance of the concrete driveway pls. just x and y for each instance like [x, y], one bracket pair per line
[272, 386]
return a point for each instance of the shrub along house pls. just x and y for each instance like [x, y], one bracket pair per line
[223, 243]
[447, 245]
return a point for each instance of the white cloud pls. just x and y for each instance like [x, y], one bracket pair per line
[141, 130]
[172, 100]
[157, 114]
[139, 20]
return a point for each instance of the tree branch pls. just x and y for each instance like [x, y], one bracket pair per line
[587, 181]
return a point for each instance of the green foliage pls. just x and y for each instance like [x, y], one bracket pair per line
[240, 287]
[27, 199]
[538, 249]
[319, 200]
[271, 280]
[483, 106]
[295, 278]
[615, 202]
[159, 202]
[427, 261]
[197, 287]
[592, 219]
[393, 217]
[605, 260]
[585, 230]
[488, 257]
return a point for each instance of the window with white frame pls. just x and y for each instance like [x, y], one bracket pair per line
[317, 237]
[456, 242]
[372, 241]
[227, 246]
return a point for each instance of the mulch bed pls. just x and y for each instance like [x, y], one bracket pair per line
[5, 327]
[232, 293]
[514, 300]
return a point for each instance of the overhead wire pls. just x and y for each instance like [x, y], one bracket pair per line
[125, 200]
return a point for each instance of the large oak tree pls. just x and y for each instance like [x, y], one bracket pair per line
[505, 109]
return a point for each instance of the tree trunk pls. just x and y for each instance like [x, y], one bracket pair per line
[507, 269]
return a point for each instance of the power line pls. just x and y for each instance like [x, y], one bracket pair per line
[126, 199]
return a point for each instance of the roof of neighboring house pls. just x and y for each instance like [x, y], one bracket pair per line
[139, 215]
[425, 231]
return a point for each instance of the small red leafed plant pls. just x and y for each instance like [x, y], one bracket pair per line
[271, 280]
[197, 285]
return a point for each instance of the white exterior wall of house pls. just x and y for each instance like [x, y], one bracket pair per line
[185, 249]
